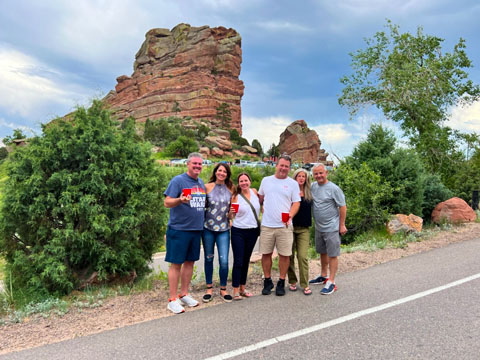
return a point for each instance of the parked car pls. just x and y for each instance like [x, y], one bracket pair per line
[207, 162]
[241, 163]
[257, 164]
[178, 161]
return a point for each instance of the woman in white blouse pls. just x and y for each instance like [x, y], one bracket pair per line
[244, 233]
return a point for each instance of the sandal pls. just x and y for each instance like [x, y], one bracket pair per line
[293, 287]
[246, 294]
[208, 297]
[237, 297]
[227, 297]
[307, 291]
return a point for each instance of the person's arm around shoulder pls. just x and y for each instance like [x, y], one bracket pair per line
[294, 209]
[261, 197]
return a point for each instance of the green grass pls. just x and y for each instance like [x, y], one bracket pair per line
[380, 239]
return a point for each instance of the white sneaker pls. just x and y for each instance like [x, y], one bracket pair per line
[188, 301]
[175, 306]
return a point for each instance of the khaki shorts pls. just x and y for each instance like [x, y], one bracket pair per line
[282, 238]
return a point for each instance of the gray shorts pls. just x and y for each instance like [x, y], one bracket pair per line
[327, 243]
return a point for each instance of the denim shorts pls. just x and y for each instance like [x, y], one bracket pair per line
[182, 246]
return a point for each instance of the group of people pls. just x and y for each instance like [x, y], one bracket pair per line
[220, 213]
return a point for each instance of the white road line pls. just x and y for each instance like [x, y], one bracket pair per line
[275, 340]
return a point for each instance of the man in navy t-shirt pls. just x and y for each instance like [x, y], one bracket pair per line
[184, 230]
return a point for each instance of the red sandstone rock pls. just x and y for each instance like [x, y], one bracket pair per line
[249, 149]
[205, 151]
[301, 143]
[401, 222]
[216, 152]
[239, 153]
[454, 210]
[194, 67]
[223, 144]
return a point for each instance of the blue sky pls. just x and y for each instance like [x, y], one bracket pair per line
[55, 55]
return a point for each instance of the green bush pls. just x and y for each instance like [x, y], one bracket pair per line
[435, 192]
[83, 197]
[366, 194]
[3, 153]
[182, 147]
[466, 178]
[401, 168]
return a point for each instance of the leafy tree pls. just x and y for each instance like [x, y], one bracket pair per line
[366, 195]
[176, 107]
[401, 168]
[224, 114]
[466, 178]
[273, 151]
[81, 198]
[163, 131]
[202, 132]
[256, 144]
[17, 135]
[182, 146]
[3, 153]
[412, 81]
[237, 139]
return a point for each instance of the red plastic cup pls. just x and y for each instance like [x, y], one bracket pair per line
[235, 207]
[285, 217]
[187, 192]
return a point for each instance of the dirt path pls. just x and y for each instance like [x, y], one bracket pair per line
[126, 310]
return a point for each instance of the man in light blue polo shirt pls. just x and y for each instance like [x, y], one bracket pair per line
[184, 231]
[329, 213]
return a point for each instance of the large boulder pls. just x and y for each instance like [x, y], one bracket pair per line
[301, 143]
[185, 71]
[205, 151]
[249, 149]
[454, 210]
[404, 223]
[219, 142]
[217, 152]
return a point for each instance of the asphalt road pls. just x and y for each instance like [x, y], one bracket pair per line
[384, 312]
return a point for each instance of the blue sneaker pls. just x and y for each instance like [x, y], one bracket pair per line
[318, 280]
[329, 288]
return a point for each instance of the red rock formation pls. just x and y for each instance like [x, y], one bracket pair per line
[302, 144]
[186, 71]
[454, 210]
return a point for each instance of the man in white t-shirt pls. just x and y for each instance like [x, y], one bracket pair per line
[279, 194]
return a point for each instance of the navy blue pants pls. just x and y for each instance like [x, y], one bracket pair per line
[243, 241]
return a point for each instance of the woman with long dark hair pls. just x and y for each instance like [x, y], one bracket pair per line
[245, 231]
[217, 228]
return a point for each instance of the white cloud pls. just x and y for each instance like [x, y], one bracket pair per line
[466, 118]
[279, 25]
[26, 84]
[335, 139]
[11, 125]
[267, 130]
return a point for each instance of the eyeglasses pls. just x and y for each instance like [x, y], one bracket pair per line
[286, 157]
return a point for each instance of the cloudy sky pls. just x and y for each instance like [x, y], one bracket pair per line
[55, 55]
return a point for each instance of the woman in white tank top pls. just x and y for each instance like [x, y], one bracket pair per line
[244, 233]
